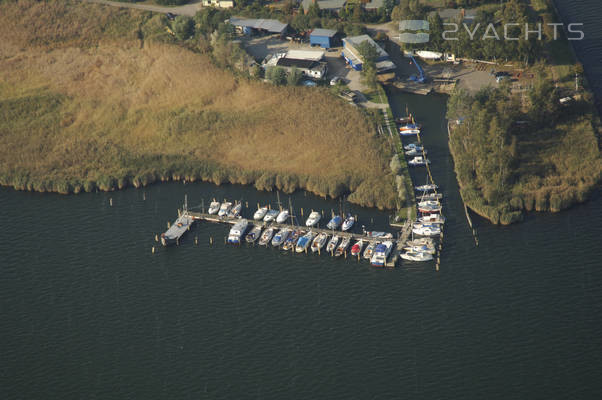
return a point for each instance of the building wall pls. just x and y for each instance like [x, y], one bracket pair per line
[322, 41]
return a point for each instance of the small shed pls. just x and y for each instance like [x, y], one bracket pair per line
[324, 38]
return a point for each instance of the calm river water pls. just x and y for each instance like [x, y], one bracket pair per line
[89, 312]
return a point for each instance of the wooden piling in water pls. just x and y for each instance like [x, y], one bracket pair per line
[110, 201]
[153, 250]
[156, 238]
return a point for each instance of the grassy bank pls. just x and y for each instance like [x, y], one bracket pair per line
[107, 98]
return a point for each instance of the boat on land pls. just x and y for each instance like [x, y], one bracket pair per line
[238, 231]
[176, 230]
[413, 146]
[271, 215]
[260, 213]
[313, 219]
[357, 247]
[348, 223]
[290, 242]
[417, 256]
[426, 229]
[420, 249]
[418, 161]
[281, 236]
[282, 216]
[224, 208]
[342, 247]
[235, 211]
[381, 253]
[410, 132]
[416, 152]
[432, 219]
[254, 234]
[427, 188]
[335, 222]
[425, 241]
[430, 196]
[266, 236]
[370, 249]
[305, 241]
[332, 244]
[213, 207]
[319, 242]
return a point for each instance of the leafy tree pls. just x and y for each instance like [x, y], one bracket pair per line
[276, 75]
[183, 27]
[294, 77]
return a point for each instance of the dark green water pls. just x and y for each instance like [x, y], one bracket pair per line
[88, 312]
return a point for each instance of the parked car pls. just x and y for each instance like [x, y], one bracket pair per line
[171, 16]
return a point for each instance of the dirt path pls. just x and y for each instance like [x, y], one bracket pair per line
[188, 9]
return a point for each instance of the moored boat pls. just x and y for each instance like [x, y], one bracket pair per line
[270, 215]
[319, 242]
[370, 249]
[348, 223]
[213, 207]
[409, 127]
[290, 242]
[432, 219]
[235, 211]
[342, 247]
[380, 235]
[425, 241]
[420, 249]
[357, 247]
[282, 216]
[238, 231]
[281, 236]
[426, 229]
[224, 208]
[313, 219]
[409, 132]
[381, 253]
[304, 242]
[426, 188]
[260, 213]
[417, 256]
[254, 234]
[416, 152]
[332, 244]
[266, 236]
[413, 146]
[418, 161]
[430, 196]
[335, 222]
[176, 230]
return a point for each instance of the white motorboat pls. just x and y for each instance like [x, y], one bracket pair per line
[380, 235]
[238, 231]
[409, 132]
[213, 207]
[418, 161]
[430, 196]
[420, 249]
[424, 241]
[432, 219]
[260, 213]
[426, 229]
[417, 256]
[224, 208]
[413, 146]
[271, 215]
[416, 152]
[282, 216]
[313, 218]
[381, 253]
[332, 244]
[281, 236]
[426, 188]
[266, 236]
[370, 250]
[319, 242]
[348, 223]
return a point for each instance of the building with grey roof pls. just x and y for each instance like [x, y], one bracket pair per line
[246, 26]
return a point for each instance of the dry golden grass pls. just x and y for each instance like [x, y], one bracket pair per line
[84, 100]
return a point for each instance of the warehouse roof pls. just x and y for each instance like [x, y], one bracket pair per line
[270, 25]
[323, 32]
[315, 55]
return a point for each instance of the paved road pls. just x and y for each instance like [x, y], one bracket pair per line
[187, 9]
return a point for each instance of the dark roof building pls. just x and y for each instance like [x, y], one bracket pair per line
[259, 25]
